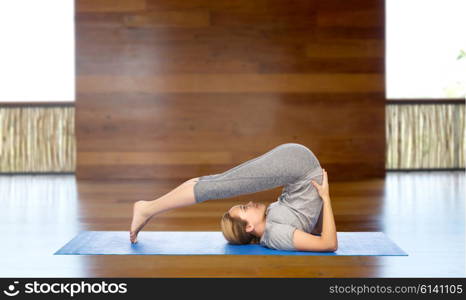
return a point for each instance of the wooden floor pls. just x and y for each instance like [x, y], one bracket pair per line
[423, 212]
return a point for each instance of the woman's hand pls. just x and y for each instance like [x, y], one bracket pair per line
[323, 189]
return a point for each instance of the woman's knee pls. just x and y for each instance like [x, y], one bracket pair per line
[192, 180]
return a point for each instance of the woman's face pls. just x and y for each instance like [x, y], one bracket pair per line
[252, 212]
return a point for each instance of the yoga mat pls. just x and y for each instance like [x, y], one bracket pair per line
[213, 243]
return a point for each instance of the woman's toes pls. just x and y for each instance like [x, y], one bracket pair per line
[132, 237]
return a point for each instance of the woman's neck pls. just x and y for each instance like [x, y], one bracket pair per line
[259, 229]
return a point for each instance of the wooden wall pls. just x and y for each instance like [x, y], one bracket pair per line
[173, 89]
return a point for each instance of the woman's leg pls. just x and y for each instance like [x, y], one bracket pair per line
[143, 211]
[283, 164]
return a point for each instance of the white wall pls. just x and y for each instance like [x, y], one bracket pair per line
[423, 41]
[37, 52]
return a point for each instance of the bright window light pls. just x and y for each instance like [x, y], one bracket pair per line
[425, 44]
[37, 59]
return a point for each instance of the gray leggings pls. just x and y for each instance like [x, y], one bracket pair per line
[284, 164]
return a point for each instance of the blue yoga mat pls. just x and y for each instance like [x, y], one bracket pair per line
[213, 243]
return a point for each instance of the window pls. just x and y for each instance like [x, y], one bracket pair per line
[425, 47]
[37, 59]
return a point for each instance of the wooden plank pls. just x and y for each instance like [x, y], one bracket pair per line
[268, 21]
[326, 65]
[166, 19]
[263, 65]
[349, 5]
[154, 157]
[343, 48]
[109, 5]
[235, 6]
[351, 18]
[234, 83]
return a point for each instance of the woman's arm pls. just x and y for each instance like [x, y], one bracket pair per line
[318, 228]
[329, 231]
[327, 241]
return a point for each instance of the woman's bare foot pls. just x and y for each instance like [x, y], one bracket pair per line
[141, 215]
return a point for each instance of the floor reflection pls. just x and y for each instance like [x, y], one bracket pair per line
[38, 215]
[423, 212]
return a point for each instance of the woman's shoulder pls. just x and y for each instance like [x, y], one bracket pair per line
[278, 235]
[281, 213]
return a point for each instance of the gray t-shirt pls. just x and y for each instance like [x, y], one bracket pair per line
[298, 207]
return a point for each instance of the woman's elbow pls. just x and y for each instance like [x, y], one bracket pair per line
[333, 247]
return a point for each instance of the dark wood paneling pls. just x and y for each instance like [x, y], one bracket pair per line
[177, 89]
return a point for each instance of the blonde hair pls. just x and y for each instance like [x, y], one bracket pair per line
[234, 230]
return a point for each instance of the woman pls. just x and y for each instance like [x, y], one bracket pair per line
[302, 210]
